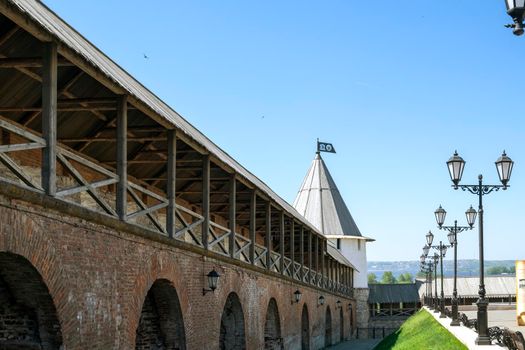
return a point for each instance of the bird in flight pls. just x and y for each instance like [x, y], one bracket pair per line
[145, 56]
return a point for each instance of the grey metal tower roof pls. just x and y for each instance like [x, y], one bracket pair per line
[320, 202]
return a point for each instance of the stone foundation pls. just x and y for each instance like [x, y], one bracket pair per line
[362, 309]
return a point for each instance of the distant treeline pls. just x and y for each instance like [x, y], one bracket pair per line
[500, 270]
[466, 268]
[389, 278]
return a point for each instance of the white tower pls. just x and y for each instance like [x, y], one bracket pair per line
[320, 202]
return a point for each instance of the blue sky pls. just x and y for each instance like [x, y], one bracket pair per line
[395, 88]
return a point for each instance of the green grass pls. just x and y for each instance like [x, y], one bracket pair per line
[421, 332]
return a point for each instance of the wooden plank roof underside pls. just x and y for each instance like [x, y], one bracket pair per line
[37, 19]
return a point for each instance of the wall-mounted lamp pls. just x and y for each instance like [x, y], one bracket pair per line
[213, 279]
[349, 307]
[297, 297]
[320, 301]
[338, 304]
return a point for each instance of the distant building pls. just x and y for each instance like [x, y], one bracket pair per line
[499, 289]
[391, 304]
[320, 202]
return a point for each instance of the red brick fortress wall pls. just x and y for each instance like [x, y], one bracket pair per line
[98, 279]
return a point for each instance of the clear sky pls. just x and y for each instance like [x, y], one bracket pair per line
[395, 88]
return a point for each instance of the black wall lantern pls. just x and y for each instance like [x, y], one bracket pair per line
[213, 279]
[320, 301]
[338, 304]
[297, 297]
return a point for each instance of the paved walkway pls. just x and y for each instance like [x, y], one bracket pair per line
[356, 344]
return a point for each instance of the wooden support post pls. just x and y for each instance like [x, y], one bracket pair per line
[323, 257]
[171, 183]
[316, 256]
[233, 213]
[332, 271]
[292, 246]
[253, 217]
[205, 200]
[49, 117]
[301, 251]
[122, 157]
[268, 235]
[281, 242]
[309, 256]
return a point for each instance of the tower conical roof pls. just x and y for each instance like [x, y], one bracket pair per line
[320, 202]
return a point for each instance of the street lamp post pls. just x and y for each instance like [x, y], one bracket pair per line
[516, 10]
[440, 214]
[504, 165]
[427, 269]
[442, 248]
[436, 260]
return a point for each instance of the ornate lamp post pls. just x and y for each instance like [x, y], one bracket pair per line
[516, 10]
[423, 268]
[504, 165]
[436, 260]
[440, 214]
[426, 267]
[442, 249]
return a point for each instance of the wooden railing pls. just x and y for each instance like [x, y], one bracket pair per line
[87, 183]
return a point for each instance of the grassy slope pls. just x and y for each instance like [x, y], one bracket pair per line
[421, 332]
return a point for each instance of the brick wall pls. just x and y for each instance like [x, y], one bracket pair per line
[98, 279]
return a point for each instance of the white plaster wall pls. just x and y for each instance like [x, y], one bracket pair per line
[357, 257]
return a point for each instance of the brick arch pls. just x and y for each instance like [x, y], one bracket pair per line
[305, 329]
[161, 324]
[272, 327]
[232, 332]
[328, 327]
[28, 315]
[159, 268]
[20, 235]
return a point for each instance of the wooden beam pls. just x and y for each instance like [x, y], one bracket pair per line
[253, 217]
[141, 161]
[29, 62]
[323, 250]
[309, 250]
[64, 89]
[145, 128]
[88, 101]
[281, 241]
[112, 139]
[9, 34]
[268, 233]
[292, 244]
[122, 153]
[49, 117]
[171, 182]
[61, 108]
[301, 250]
[316, 256]
[181, 178]
[205, 199]
[233, 213]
